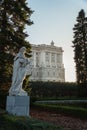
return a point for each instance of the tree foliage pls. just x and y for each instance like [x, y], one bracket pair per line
[80, 47]
[14, 16]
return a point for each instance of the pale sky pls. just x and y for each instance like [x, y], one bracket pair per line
[54, 20]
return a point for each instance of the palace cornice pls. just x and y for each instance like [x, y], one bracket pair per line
[46, 48]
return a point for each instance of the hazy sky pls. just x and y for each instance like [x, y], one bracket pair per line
[54, 20]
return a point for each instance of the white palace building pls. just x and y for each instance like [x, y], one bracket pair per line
[47, 63]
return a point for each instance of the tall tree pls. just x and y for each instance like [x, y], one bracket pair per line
[80, 47]
[14, 16]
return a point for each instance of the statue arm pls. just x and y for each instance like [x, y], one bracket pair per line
[24, 62]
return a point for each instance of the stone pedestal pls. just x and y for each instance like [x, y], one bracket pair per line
[18, 105]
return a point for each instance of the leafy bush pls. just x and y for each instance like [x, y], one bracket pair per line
[3, 96]
[53, 89]
[57, 89]
[8, 122]
[82, 90]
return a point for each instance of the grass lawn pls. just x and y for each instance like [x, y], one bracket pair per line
[73, 109]
[10, 122]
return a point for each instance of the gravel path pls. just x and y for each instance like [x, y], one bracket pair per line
[69, 123]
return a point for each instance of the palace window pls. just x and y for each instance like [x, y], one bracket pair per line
[58, 58]
[37, 59]
[52, 57]
[47, 56]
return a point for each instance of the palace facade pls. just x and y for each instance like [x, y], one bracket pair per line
[47, 63]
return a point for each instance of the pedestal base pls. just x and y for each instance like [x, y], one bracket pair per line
[18, 105]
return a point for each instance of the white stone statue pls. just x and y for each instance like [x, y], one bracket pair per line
[19, 73]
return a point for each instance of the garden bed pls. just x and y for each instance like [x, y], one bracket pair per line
[9, 122]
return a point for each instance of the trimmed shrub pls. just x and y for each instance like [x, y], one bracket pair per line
[53, 89]
[57, 89]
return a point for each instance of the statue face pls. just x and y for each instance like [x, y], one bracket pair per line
[23, 50]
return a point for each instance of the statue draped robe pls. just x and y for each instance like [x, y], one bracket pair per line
[19, 73]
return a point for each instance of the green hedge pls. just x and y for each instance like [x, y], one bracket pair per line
[53, 89]
[82, 90]
[50, 90]
[56, 90]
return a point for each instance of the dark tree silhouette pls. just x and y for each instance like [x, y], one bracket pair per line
[80, 47]
[14, 16]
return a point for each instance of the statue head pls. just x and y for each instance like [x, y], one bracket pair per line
[22, 50]
[21, 53]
